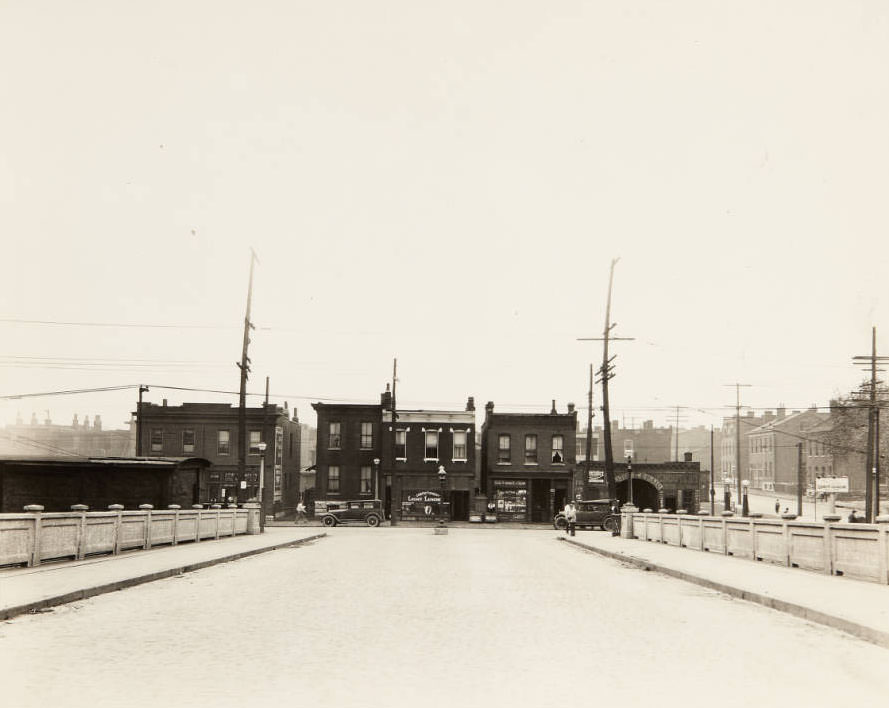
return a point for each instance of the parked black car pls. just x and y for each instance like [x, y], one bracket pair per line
[362, 511]
[594, 512]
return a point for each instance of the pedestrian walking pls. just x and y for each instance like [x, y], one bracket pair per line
[300, 512]
[570, 518]
[777, 506]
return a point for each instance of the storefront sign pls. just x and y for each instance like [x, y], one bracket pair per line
[597, 476]
[506, 483]
[423, 497]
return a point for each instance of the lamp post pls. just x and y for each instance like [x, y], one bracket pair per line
[443, 478]
[262, 446]
[376, 478]
[745, 507]
[630, 479]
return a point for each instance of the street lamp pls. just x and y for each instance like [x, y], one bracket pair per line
[745, 507]
[376, 478]
[630, 479]
[262, 446]
[443, 478]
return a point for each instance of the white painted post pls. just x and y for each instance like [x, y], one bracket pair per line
[197, 531]
[753, 539]
[148, 523]
[701, 528]
[176, 508]
[786, 534]
[217, 508]
[117, 523]
[883, 539]
[829, 519]
[34, 557]
[724, 535]
[679, 529]
[81, 531]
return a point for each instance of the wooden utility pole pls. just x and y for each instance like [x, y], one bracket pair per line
[799, 480]
[142, 389]
[606, 372]
[871, 495]
[244, 366]
[677, 419]
[391, 476]
[738, 435]
[712, 477]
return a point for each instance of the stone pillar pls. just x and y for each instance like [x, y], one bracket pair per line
[34, 556]
[81, 533]
[883, 538]
[148, 523]
[253, 512]
[626, 515]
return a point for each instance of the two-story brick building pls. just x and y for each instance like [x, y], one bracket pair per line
[434, 469]
[528, 462]
[210, 431]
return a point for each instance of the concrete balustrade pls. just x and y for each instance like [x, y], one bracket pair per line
[858, 551]
[33, 536]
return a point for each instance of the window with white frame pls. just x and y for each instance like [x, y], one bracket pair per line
[367, 436]
[366, 477]
[334, 436]
[503, 446]
[255, 437]
[188, 440]
[223, 442]
[333, 478]
[558, 451]
[431, 445]
[459, 445]
[400, 444]
[157, 440]
[530, 449]
[628, 448]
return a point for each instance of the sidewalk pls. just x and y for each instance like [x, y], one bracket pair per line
[854, 606]
[24, 590]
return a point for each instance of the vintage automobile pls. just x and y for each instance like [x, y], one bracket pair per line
[361, 511]
[593, 512]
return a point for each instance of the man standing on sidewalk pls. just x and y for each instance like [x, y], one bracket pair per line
[777, 506]
[570, 518]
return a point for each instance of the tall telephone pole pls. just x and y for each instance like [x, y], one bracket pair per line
[606, 372]
[738, 387]
[871, 474]
[391, 476]
[677, 419]
[244, 366]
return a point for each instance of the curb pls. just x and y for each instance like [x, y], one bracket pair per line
[868, 634]
[29, 607]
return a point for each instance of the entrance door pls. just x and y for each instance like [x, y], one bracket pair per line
[540, 503]
[459, 506]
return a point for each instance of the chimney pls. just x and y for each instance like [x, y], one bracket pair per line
[782, 411]
[86, 421]
[489, 408]
[97, 422]
[386, 398]
[33, 419]
[686, 456]
[570, 408]
[553, 411]
[470, 405]
[75, 422]
[165, 403]
[47, 421]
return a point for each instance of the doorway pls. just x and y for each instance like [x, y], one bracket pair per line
[459, 506]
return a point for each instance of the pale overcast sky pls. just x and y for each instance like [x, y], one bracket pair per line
[446, 183]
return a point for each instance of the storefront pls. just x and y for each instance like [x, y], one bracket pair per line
[422, 504]
[534, 500]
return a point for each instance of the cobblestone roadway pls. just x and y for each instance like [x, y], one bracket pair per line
[476, 618]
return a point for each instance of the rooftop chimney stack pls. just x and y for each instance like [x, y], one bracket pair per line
[75, 422]
[570, 408]
[470, 405]
[553, 411]
[97, 422]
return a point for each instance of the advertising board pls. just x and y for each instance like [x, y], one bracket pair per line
[832, 485]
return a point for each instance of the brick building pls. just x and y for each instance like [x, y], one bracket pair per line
[210, 431]
[528, 463]
[81, 437]
[774, 452]
[645, 444]
[664, 485]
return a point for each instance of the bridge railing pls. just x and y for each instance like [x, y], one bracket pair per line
[31, 537]
[854, 550]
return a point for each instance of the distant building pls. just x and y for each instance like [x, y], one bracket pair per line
[775, 450]
[645, 444]
[308, 457]
[210, 431]
[727, 472]
[528, 463]
[656, 485]
[697, 441]
[80, 438]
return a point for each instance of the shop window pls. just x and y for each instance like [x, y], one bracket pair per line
[503, 448]
[333, 479]
[459, 445]
[530, 449]
[188, 440]
[558, 452]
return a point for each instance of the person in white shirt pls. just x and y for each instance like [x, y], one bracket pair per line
[570, 512]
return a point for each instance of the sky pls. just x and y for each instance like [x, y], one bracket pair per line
[445, 184]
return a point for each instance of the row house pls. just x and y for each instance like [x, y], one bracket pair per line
[727, 471]
[210, 431]
[421, 466]
[528, 463]
[645, 444]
